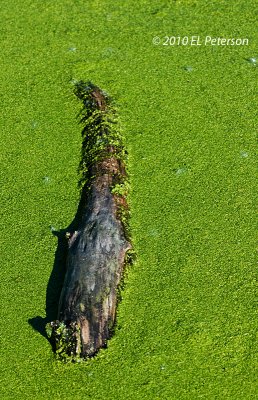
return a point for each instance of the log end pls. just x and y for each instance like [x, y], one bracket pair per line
[65, 339]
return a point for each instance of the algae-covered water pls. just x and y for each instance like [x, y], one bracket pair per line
[187, 326]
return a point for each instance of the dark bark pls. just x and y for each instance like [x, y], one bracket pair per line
[97, 248]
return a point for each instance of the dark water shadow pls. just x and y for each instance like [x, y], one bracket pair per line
[55, 283]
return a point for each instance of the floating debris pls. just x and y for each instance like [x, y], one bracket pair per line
[252, 60]
[181, 171]
[243, 154]
[46, 179]
[74, 81]
[108, 52]
[188, 68]
[99, 249]
[153, 232]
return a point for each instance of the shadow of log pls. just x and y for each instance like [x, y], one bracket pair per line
[56, 280]
[54, 286]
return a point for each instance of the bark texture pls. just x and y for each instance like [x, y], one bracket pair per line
[97, 248]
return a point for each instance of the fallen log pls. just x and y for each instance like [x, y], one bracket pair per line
[98, 248]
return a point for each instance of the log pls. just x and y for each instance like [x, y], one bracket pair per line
[99, 247]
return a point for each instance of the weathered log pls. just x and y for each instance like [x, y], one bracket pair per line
[97, 249]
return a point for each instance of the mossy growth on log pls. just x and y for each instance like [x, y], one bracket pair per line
[100, 247]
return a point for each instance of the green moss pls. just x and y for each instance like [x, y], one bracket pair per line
[66, 340]
[121, 189]
[100, 132]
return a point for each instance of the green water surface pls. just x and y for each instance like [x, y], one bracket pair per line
[187, 326]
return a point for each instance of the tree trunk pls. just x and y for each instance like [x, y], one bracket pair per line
[97, 249]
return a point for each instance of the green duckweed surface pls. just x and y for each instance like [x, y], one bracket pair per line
[187, 326]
